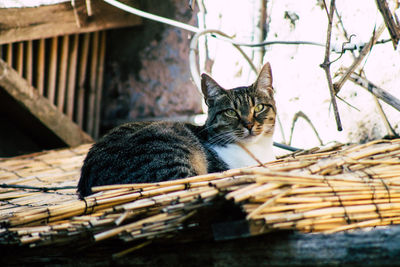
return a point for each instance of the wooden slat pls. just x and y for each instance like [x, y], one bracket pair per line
[51, 83]
[62, 78]
[72, 76]
[9, 57]
[40, 107]
[92, 86]
[21, 24]
[40, 74]
[82, 76]
[99, 83]
[29, 61]
[20, 58]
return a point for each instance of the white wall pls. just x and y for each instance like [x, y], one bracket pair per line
[299, 81]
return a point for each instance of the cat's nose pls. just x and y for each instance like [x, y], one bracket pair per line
[249, 125]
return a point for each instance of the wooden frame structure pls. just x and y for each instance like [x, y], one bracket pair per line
[52, 63]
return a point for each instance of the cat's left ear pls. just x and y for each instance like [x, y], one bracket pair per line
[264, 80]
[210, 88]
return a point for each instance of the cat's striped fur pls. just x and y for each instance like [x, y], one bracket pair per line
[156, 151]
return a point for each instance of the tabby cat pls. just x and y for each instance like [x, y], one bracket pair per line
[237, 133]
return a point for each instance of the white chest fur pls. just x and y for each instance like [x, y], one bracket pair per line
[236, 157]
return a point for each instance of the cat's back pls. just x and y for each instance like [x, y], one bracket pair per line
[144, 152]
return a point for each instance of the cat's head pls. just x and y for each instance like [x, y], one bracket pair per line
[241, 114]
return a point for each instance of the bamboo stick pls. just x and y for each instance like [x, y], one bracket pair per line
[116, 231]
[266, 204]
[132, 249]
[292, 199]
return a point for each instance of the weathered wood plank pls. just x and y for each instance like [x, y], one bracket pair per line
[92, 83]
[52, 80]
[29, 62]
[40, 107]
[72, 76]
[82, 76]
[62, 83]
[99, 83]
[21, 24]
[378, 247]
[40, 66]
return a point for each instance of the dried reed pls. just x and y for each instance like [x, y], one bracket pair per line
[328, 190]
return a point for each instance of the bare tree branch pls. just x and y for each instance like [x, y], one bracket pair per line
[389, 128]
[338, 85]
[298, 115]
[391, 25]
[375, 90]
[326, 64]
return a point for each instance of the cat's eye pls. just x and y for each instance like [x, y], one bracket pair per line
[230, 113]
[259, 107]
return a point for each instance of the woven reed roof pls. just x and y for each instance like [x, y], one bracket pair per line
[324, 190]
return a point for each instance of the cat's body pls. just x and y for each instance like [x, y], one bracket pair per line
[148, 152]
[237, 133]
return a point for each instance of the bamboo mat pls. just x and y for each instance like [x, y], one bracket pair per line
[322, 190]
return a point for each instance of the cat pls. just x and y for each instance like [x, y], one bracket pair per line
[237, 133]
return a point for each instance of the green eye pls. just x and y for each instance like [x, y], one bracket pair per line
[259, 108]
[230, 113]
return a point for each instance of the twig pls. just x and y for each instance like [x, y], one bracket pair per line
[304, 116]
[194, 51]
[44, 189]
[326, 64]
[278, 119]
[347, 103]
[251, 155]
[389, 128]
[393, 28]
[338, 85]
[346, 35]
[375, 90]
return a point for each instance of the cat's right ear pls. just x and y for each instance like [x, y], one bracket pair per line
[210, 88]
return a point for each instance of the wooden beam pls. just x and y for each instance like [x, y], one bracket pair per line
[374, 247]
[40, 107]
[21, 24]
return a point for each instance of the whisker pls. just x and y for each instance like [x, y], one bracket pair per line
[222, 138]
